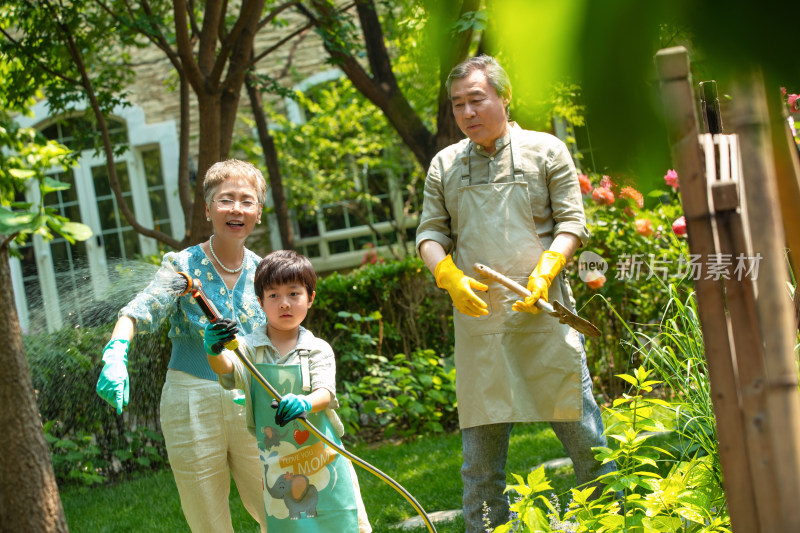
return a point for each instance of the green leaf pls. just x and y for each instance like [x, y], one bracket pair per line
[16, 221]
[50, 185]
[77, 230]
[629, 379]
[21, 173]
[537, 480]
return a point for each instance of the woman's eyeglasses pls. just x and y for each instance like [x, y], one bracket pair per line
[226, 204]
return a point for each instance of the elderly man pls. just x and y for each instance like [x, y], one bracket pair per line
[508, 198]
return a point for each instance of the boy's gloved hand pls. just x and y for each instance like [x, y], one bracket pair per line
[550, 264]
[290, 407]
[113, 385]
[218, 334]
[454, 281]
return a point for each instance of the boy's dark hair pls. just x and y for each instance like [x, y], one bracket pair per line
[281, 267]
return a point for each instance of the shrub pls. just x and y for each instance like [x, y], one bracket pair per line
[395, 304]
[88, 441]
[643, 256]
[654, 489]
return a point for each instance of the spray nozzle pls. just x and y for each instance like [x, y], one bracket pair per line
[195, 287]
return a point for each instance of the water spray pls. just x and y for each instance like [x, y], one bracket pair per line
[184, 284]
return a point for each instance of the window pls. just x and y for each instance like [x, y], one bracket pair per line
[59, 283]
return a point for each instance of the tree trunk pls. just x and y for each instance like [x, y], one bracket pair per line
[29, 500]
[273, 168]
[208, 154]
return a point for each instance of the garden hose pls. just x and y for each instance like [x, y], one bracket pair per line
[196, 289]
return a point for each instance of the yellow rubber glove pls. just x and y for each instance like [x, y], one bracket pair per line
[550, 264]
[452, 279]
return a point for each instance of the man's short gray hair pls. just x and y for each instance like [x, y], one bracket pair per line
[495, 74]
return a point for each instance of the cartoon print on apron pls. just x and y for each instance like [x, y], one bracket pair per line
[307, 484]
[510, 366]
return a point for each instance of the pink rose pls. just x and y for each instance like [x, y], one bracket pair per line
[671, 178]
[602, 195]
[633, 194]
[679, 226]
[792, 101]
[643, 227]
[586, 185]
[595, 279]
[606, 182]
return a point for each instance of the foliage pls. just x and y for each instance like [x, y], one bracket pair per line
[642, 255]
[648, 492]
[411, 393]
[343, 153]
[79, 459]
[88, 441]
[79, 28]
[405, 396]
[677, 354]
[395, 306]
[653, 489]
[26, 157]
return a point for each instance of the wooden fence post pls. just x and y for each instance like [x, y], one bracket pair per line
[775, 310]
[678, 97]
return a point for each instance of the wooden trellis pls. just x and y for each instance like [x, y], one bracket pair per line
[732, 209]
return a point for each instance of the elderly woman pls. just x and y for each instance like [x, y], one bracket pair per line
[204, 429]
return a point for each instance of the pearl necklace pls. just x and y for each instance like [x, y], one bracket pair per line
[226, 269]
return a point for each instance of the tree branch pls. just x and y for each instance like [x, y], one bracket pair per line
[232, 43]
[290, 58]
[184, 45]
[389, 99]
[277, 45]
[77, 58]
[41, 64]
[275, 12]
[379, 62]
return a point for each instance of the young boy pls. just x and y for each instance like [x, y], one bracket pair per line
[307, 485]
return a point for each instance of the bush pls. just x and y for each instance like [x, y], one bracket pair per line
[88, 441]
[643, 256]
[407, 396]
[653, 489]
[396, 305]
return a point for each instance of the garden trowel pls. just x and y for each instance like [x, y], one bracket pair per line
[564, 315]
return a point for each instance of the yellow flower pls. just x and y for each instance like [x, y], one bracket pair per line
[210, 276]
[197, 272]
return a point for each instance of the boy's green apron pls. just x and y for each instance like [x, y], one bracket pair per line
[307, 484]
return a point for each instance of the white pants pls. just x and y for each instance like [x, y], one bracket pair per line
[207, 440]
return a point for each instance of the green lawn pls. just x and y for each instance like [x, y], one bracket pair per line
[428, 468]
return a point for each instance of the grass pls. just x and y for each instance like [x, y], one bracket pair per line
[429, 468]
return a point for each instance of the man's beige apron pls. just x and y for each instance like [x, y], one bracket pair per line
[510, 366]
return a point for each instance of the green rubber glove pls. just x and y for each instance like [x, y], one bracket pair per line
[460, 286]
[548, 267]
[113, 385]
[291, 407]
[218, 334]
